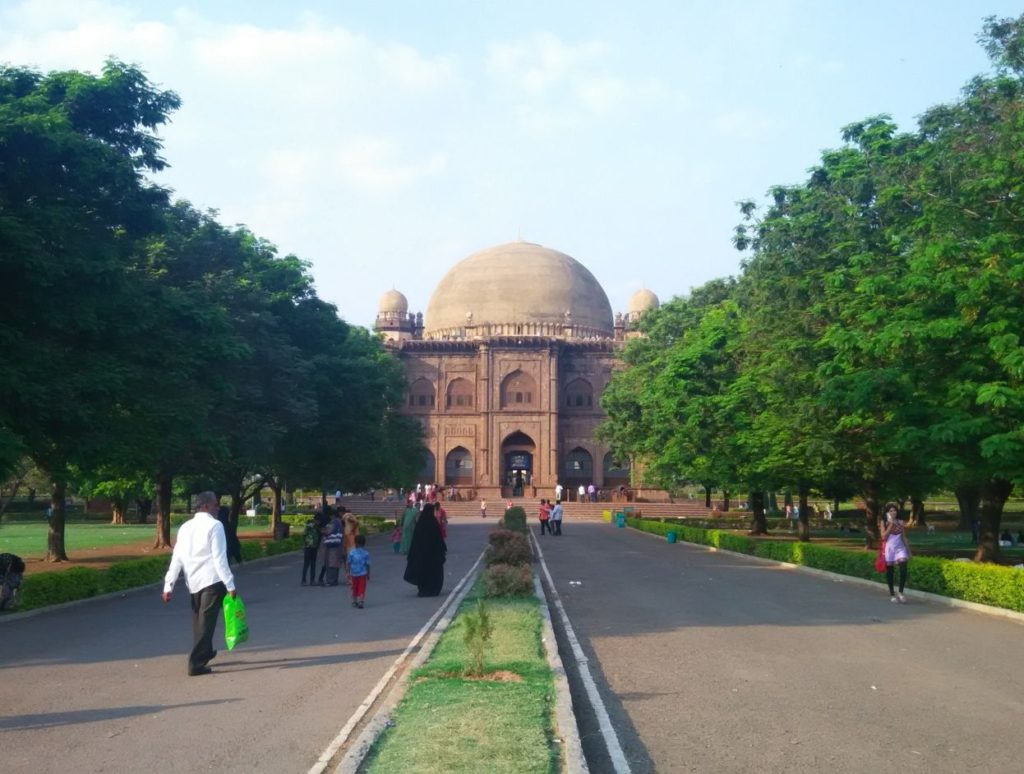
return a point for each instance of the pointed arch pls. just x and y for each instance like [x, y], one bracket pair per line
[578, 395]
[519, 390]
[459, 395]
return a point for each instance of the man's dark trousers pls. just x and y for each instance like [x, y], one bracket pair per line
[206, 609]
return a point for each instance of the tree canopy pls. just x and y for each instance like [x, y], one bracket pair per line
[144, 340]
[873, 339]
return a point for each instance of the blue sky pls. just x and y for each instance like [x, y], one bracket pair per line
[385, 141]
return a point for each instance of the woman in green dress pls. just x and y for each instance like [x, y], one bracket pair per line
[408, 526]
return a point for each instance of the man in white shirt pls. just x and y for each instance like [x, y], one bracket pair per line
[558, 493]
[201, 552]
[556, 520]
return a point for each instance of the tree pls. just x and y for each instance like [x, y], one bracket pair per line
[73, 204]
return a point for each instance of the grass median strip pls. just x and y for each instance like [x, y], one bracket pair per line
[501, 721]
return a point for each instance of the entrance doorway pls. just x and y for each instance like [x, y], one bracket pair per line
[517, 452]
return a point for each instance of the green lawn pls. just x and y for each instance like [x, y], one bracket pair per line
[28, 538]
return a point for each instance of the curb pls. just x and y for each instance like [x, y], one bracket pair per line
[924, 596]
[573, 761]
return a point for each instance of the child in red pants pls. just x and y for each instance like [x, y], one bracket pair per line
[359, 569]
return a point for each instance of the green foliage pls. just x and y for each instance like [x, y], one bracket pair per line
[514, 519]
[477, 631]
[985, 584]
[51, 588]
[508, 580]
[508, 547]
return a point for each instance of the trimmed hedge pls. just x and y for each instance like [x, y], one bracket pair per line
[508, 547]
[507, 580]
[514, 519]
[51, 588]
[986, 584]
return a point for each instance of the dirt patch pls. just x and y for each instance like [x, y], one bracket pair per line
[101, 558]
[499, 676]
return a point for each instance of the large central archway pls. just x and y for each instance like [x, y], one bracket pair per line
[517, 452]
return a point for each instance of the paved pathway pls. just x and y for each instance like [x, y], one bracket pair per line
[101, 686]
[710, 662]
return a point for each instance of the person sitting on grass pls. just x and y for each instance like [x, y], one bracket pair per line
[359, 570]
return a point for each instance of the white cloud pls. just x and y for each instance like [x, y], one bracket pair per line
[376, 164]
[554, 85]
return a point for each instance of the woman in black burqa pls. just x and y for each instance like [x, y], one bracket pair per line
[425, 565]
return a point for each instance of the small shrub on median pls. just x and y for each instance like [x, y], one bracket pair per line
[508, 547]
[506, 580]
[515, 519]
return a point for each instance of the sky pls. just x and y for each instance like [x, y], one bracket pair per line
[385, 141]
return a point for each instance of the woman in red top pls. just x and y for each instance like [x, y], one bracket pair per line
[545, 516]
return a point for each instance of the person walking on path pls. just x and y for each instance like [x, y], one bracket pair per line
[359, 568]
[334, 554]
[311, 537]
[556, 520]
[425, 566]
[408, 526]
[896, 551]
[201, 552]
[350, 528]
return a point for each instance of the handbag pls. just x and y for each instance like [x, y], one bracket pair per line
[880, 559]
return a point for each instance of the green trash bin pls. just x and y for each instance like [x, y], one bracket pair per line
[671, 536]
[620, 519]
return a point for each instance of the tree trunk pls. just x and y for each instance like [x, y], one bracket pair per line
[55, 539]
[117, 509]
[872, 535]
[144, 506]
[968, 498]
[275, 514]
[917, 518]
[163, 510]
[805, 524]
[835, 508]
[237, 501]
[759, 526]
[707, 497]
[994, 494]
[725, 501]
[31, 495]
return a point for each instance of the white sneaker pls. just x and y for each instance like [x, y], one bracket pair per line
[893, 600]
[903, 599]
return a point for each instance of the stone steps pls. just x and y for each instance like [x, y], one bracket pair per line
[457, 509]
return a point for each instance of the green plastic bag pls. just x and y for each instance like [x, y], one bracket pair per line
[236, 629]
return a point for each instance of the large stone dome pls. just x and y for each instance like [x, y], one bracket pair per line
[518, 288]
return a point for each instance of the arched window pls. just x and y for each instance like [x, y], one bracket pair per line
[458, 467]
[421, 395]
[518, 390]
[459, 395]
[579, 465]
[579, 395]
[615, 472]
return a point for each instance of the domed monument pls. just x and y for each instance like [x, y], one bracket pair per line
[507, 370]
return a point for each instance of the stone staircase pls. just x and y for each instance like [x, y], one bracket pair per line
[495, 508]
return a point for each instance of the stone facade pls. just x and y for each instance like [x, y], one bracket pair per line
[510, 407]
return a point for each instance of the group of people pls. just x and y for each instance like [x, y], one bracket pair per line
[550, 517]
[584, 493]
[329, 538]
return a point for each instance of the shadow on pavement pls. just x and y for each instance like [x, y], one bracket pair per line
[75, 717]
